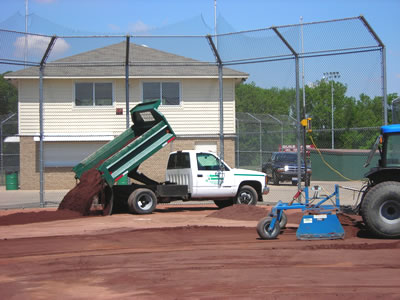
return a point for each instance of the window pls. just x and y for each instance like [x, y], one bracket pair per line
[168, 92]
[393, 151]
[179, 160]
[93, 93]
[208, 162]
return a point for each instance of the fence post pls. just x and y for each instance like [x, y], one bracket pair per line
[221, 95]
[127, 80]
[41, 162]
[383, 63]
[237, 144]
[296, 57]
[384, 86]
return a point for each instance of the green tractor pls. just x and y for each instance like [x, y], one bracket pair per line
[380, 205]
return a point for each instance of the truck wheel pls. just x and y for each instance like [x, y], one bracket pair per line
[275, 179]
[107, 200]
[247, 195]
[380, 209]
[223, 203]
[262, 229]
[142, 201]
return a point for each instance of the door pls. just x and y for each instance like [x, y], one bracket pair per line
[212, 180]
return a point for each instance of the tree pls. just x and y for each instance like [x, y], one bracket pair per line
[253, 99]
[8, 96]
[352, 116]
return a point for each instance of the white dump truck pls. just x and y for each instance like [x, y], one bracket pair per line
[194, 175]
[190, 175]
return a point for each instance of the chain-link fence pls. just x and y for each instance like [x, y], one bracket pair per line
[259, 135]
[9, 146]
[75, 92]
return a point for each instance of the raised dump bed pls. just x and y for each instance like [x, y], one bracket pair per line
[122, 156]
[149, 133]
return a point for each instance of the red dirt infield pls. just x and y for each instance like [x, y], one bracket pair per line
[188, 251]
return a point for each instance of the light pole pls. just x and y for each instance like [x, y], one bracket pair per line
[331, 76]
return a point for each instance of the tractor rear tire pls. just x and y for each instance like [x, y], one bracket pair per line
[380, 210]
[142, 201]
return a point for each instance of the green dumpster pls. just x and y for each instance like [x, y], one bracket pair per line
[12, 181]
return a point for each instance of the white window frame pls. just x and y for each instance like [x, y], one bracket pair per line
[161, 82]
[94, 94]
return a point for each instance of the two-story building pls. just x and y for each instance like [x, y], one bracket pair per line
[84, 107]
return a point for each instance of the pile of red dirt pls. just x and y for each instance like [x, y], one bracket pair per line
[350, 224]
[80, 198]
[36, 217]
[241, 212]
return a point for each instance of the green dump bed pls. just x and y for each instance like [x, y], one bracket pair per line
[150, 132]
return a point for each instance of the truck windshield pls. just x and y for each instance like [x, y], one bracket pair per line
[208, 162]
[288, 158]
[393, 151]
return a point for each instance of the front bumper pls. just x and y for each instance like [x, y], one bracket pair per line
[265, 190]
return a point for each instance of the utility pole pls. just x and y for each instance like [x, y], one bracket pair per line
[331, 76]
[26, 33]
[215, 24]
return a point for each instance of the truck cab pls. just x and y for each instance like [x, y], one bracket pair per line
[208, 177]
[388, 144]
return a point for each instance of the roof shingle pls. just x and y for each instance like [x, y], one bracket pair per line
[144, 62]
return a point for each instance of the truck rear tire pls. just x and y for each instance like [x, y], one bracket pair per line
[142, 201]
[380, 209]
[223, 203]
[247, 195]
[107, 200]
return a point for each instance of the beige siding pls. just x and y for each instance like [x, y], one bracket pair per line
[198, 113]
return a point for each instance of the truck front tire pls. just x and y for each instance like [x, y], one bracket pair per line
[275, 179]
[142, 201]
[247, 195]
[380, 209]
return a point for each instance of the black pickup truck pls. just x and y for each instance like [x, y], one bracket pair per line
[283, 167]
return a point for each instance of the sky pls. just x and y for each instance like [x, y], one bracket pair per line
[142, 16]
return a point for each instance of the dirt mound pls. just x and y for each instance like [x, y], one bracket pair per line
[36, 217]
[80, 198]
[241, 212]
[351, 226]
